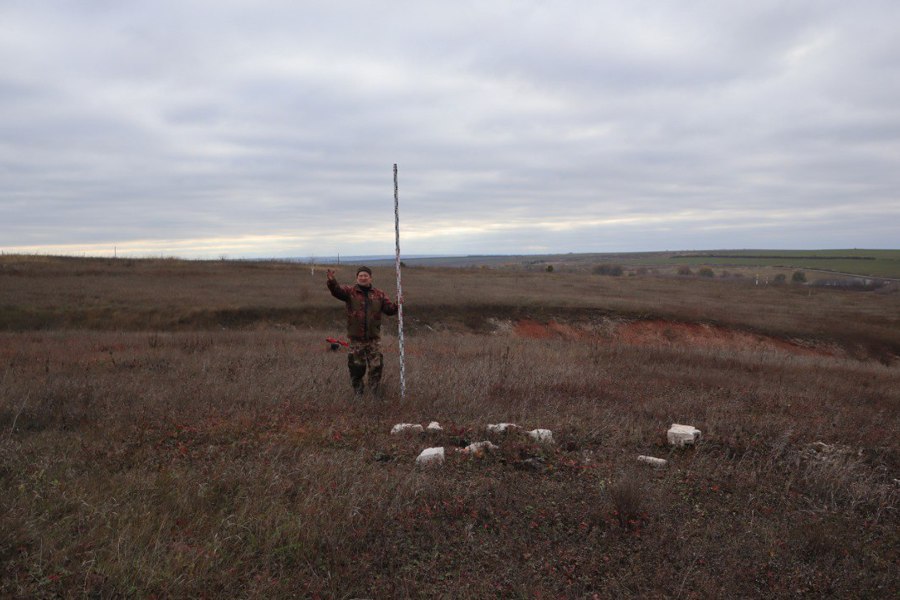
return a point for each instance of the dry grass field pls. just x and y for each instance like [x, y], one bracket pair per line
[180, 429]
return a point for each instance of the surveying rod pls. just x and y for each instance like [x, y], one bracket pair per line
[399, 286]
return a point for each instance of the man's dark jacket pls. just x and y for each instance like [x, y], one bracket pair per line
[365, 305]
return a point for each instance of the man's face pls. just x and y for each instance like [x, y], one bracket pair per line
[363, 278]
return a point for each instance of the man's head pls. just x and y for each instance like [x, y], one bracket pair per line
[364, 276]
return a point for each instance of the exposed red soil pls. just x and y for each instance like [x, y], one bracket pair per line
[532, 329]
[660, 332]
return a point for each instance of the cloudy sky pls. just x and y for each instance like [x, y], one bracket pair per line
[203, 128]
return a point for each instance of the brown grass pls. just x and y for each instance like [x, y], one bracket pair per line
[209, 462]
[147, 295]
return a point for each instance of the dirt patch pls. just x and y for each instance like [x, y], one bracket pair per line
[532, 329]
[661, 332]
[698, 334]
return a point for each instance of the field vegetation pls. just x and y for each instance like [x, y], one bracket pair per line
[174, 428]
[825, 263]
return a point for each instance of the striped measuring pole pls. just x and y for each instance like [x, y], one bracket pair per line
[399, 285]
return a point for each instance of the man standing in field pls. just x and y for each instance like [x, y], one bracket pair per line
[365, 305]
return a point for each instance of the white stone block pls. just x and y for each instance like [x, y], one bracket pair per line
[431, 457]
[679, 435]
[502, 427]
[406, 428]
[479, 448]
[434, 427]
[541, 435]
[650, 460]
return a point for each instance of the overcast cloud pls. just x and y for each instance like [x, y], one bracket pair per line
[269, 128]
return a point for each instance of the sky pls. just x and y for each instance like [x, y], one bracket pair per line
[209, 129]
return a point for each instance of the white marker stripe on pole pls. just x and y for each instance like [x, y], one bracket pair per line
[399, 286]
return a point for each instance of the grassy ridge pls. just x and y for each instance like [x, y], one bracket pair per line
[872, 263]
[174, 295]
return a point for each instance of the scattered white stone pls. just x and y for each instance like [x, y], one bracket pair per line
[679, 435]
[502, 427]
[434, 427]
[650, 460]
[406, 427]
[541, 435]
[431, 457]
[479, 448]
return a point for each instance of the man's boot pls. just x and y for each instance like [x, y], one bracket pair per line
[376, 367]
[357, 372]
